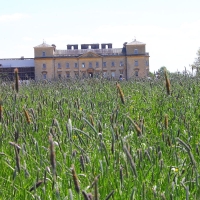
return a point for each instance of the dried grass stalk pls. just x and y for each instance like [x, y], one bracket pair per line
[15, 145]
[28, 119]
[130, 159]
[16, 80]
[167, 83]
[85, 195]
[121, 94]
[166, 121]
[17, 158]
[75, 179]
[1, 110]
[92, 120]
[139, 131]
[52, 155]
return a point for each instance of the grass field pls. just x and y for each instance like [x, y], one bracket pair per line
[93, 139]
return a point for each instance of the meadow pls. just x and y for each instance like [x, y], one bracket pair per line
[95, 139]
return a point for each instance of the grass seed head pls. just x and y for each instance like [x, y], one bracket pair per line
[16, 80]
[92, 120]
[166, 121]
[75, 179]
[85, 195]
[28, 119]
[17, 158]
[167, 83]
[36, 185]
[121, 94]
[1, 110]
[52, 155]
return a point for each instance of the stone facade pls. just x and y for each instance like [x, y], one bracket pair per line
[130, 61]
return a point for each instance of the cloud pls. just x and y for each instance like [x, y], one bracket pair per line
[12, 17]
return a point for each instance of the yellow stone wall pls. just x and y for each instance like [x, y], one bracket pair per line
[130, 49]
[38, 52]
[109, 68]
[39, 68]
[142, 67]
[64, 70]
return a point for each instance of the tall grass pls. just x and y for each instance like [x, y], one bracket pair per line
[75, 139]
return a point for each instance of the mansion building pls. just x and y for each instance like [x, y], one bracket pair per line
[90, 60]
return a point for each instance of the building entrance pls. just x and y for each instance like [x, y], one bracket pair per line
[91, 74]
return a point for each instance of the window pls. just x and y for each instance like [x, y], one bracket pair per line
[76, 65]
[113, 64]
[90, 65]
[43, 54]
[68, 75]
[76, 74]
[104, 74]
[67, 65]
[84, 74]
[83, 65]
[104, 64]
[121, 64]
[44, 76]
[97, 64]
[44, 66]
[136, 63]
[113, 74]
[147, 63]
[136, 73]
[135, 51]
[59, 76]
[59, 66]
[121, 71]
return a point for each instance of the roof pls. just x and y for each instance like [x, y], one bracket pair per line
[17, 62]
[79, 52]
[43, 45]
[135, 42]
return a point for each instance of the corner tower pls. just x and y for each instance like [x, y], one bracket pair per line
[137, 59]
[44, 63]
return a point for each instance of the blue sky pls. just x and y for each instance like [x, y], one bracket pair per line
[170, 28]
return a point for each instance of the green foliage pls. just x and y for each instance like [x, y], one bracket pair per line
[82, 140]
[196, 64]
[162, 70]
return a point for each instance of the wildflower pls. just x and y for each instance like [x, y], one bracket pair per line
[154, 187]
[174, 169]
[74, 137]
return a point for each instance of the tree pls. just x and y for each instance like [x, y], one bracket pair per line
[162, 70]
[196, 64]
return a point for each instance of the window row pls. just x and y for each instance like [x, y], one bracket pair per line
[91, 65]
[83, 65]
[105, 74]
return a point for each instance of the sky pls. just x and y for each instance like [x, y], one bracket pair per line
[169, 28]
